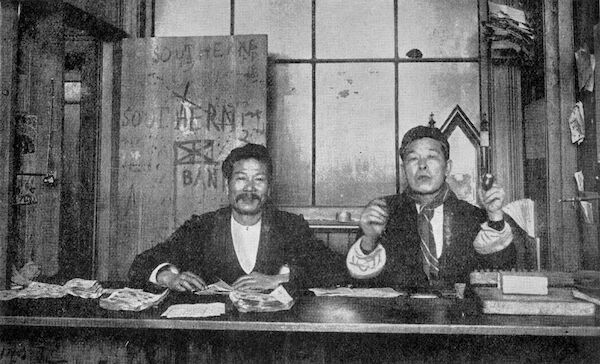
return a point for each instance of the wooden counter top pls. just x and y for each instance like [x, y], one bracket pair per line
[309, 314]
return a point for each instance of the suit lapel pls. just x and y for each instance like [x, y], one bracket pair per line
[264, 243]
[224, 241]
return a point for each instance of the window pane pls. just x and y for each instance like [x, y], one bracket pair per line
[287, 24]
[355, 28]
[185, 18]
[426, 88]
[355, 143]
[290, 133]
[465, 172]
[446, 28]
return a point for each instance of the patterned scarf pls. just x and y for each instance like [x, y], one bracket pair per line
[430, 262]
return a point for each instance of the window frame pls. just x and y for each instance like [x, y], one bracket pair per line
[484, 93]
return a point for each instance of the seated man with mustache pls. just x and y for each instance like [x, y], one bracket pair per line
[249, 244]
[426, 237]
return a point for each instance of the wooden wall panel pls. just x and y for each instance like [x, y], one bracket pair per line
[41, 65]
[105, 142]
[506, 129]
[185, 103]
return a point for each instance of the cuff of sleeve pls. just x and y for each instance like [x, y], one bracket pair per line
[160, 267]
[490, 241]
[363, 266]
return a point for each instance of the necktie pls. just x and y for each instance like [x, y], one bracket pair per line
[431, 265]
[430, 261]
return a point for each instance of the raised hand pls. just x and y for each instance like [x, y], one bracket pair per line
[493, 200]
[373, 220]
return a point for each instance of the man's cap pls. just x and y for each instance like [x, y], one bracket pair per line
[420, 132]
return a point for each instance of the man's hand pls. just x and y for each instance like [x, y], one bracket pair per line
[373, 220]
[493, 200]
[259, 282]
[186, 281]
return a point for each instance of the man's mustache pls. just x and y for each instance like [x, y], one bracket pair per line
[247, 197]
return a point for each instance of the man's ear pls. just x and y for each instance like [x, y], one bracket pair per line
[448, 167]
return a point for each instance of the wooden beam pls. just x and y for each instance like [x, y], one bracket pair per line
[94, 24]
[484, 65]
[99, 18]
[8, 62]
[506, 120]
[563, 232]
[571, 237]
[104, 186]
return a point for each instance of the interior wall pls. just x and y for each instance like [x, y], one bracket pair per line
[38, 171]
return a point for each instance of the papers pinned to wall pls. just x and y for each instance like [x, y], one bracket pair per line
[577, 123]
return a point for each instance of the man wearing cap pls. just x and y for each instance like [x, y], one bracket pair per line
[425, 236]
[249, 244]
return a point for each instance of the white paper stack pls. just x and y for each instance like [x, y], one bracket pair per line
[195, 310]
[129, 299]
[278, 300]
[83, 288]
[522, 284]
[385, 292]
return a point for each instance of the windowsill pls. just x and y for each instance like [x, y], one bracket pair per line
[326, 218]
[325, 213]
[333, 225]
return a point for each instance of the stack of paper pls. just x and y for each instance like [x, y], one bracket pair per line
[129, 299]
[558, 301]
[523, 212]
[83, 288]
[75, 287]
[219, 287]
[279, 299]
[509, 31]
[357, 292]
[24, 276]
[35, 290]
[195, 310]
[522, 284]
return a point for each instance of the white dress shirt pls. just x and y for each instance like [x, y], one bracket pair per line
[245, 243]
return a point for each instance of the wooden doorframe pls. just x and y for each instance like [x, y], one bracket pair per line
[8, 62]
[563, 233]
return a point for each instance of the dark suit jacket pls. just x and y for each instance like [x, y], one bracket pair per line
[203, 245]
[404, 266]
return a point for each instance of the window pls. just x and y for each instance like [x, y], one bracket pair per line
[346, 79]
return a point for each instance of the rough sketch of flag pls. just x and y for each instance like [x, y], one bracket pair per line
[194, 152]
